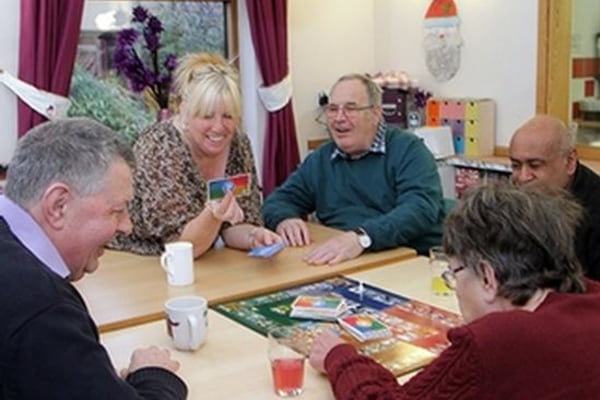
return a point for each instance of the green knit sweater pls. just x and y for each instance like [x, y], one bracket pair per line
[396, 197]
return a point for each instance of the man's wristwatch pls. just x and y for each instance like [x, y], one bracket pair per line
[363, 238]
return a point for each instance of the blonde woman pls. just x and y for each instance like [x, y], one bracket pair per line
[176, 158]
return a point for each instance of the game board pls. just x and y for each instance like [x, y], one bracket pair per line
[419, 329]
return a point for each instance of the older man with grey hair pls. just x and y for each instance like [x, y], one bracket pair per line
[376, 183]
[543, 149]
[67, 190]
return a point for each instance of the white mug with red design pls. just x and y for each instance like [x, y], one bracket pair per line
[187, 321]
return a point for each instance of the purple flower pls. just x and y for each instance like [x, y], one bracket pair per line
[171, 62]
[150, 77]
[139, 14]
[130, 62]
[127, 37]
[152, 40]
[164, 79]
[154, 25]
[420, 98]
[137, 86]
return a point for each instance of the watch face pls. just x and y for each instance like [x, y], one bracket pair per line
[364, 240]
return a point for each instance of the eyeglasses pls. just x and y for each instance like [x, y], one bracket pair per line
[348, 110]
[449, 276]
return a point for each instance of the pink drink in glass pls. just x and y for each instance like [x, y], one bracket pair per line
[288, 376]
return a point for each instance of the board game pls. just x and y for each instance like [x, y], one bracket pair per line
[418, 329]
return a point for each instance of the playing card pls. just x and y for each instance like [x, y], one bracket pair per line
[266, 251]
[239, 184]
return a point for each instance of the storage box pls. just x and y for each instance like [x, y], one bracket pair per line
[472, 122]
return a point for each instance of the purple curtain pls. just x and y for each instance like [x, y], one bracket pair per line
[47, 48]
[268, 25]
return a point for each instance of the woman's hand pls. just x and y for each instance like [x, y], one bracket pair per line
[259, 236]
[226, 209]
[322, 345]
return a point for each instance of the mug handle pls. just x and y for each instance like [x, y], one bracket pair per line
[194, 332]
[165, 264]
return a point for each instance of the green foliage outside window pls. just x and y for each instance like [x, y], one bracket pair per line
[193, 26]
[108, 102]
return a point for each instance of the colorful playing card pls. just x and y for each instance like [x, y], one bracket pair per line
[327, 307]
[239, 184]
[365, 327]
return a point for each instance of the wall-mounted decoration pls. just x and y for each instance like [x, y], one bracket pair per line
[442, 39]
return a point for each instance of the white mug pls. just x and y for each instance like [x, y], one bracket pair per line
[187, 321]
[178, 261]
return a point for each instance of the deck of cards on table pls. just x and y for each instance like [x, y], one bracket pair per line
[364, 327]
[326, 308]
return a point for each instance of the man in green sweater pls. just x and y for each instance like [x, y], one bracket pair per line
[374, 182]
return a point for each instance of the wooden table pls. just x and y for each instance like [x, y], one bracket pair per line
[233, 362]
[129, 289]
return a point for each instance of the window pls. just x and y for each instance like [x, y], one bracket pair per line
[189, 26]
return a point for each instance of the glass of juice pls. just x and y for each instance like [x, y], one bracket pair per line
[438, 263]
[287, 364]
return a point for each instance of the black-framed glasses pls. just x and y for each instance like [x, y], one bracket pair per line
[449, 276]
[349, 109]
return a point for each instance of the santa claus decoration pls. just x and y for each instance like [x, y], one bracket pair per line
[442, 40]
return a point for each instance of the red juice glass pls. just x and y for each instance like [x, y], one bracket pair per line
[287, 365]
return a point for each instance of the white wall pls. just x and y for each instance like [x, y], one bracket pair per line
[9, 56]
[326, 40]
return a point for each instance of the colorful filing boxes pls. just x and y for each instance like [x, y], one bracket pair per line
[472, 121]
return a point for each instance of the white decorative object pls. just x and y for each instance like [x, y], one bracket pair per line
[276, 96]
[442, 40]
[50, 105]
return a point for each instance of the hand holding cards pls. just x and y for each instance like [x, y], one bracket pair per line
[266, 251]
[238, 184]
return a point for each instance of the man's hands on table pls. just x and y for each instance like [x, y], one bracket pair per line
[344, 246]
[152, 356]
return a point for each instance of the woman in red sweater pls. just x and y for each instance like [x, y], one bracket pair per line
[532, 322]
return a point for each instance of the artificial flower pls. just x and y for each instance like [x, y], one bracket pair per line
[131, 62]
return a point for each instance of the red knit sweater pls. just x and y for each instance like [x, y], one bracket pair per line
[552, 353]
